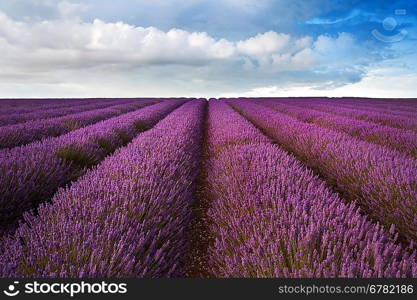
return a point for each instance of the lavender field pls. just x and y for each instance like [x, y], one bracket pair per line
[236, 187]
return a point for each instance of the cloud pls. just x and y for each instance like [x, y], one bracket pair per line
[274, 52]
[81, 56]
[264, 44]
[372, 85]
[330, 21]
[74, 44]
[231, 19]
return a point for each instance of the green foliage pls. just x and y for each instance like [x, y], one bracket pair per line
[77, 157]
[141, 126]
[72, 124]
[123, 137]
[105, 145]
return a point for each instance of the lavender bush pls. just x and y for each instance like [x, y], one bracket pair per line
[283, 187]
[380, 180]
[359, 114]
[48, 112]
[126, 218]
[397, 139]
[271, 217]
[34, 172]
[25, 133]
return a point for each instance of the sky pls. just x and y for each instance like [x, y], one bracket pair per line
[202, 48]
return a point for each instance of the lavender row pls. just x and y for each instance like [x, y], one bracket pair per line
[65, 103]
[390, 104]
[31, 174]
[375, 102]
[383, 182]
[25, 133]
[400, 105]
[271, 217]
[375, 117]
[32, 105]
[126, 218]
[25, 103]
[369, 106]
[390, 110]
[47, 113]
[397, 139]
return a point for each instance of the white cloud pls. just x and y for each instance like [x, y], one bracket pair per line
[70, 43]
[276, 52]
[338, 50]
[74, 44]
[376, 84]
[80, 56]
[264, 44]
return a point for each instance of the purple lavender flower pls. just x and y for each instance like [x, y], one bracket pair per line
[272, 217]
[126, 218]
[383, 182]
[31, 174]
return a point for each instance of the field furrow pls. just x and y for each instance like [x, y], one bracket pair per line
[272, 217]
[25, 133]
[33, 173]
[378, 118]
[394, 109]
[381, 181]
[224, 188]
[46, 113]
[401, 140]
[29, 106]
[391, 107]
[125, 218]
